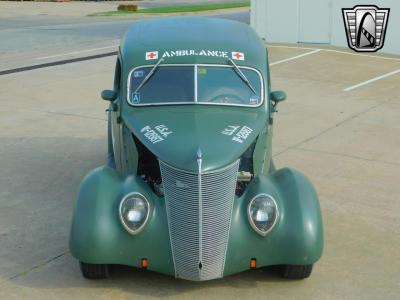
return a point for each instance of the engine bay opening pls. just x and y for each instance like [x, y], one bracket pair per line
[149, 168]
[246, 170]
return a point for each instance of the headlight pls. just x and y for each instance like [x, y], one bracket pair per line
[134, 211]
[263, 213]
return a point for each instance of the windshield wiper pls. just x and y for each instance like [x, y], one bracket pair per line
[242, 76]
[151, 73]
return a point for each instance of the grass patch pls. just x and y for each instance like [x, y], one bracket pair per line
[177, 9]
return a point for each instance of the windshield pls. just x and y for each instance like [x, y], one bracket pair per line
[203, 84]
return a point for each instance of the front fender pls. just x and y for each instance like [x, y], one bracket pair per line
[97, 236]
[297, 237]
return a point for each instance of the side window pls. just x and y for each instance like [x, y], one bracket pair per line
[117, 76]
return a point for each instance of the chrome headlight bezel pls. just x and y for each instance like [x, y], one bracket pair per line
[251, 221]
[122, 220]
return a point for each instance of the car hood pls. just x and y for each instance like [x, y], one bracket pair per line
[178, 134]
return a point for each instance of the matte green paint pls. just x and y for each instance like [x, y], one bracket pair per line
[297, 238]
[195, 126]
[199, 125]
[97, 235]
[191, 33]
[109, 95]
[278, 96]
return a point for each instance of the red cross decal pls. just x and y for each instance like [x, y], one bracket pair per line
[238, 55]
[151, 55]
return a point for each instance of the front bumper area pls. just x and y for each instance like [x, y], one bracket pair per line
[98, 237]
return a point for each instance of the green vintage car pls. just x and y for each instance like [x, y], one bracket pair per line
[190, 189]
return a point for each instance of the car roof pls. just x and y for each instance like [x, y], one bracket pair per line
[192, 40]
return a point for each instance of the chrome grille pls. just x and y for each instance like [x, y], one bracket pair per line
[199, 208]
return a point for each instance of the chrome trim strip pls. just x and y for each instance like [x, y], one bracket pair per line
[193, 103]
[169, 227]
[133, 232]
[251, 220]
[199, 161]
[202, 173]
[195, 83]
[199, 233]
[128, 87]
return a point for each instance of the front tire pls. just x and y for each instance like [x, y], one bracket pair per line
[297, 271]
[94, 271]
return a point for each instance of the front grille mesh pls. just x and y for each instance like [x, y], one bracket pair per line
[199, 208]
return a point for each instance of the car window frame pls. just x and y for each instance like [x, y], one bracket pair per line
[194, 102]
[118, 76]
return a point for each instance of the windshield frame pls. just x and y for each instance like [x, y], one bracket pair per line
[195, 102]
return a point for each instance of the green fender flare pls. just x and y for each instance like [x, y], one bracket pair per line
[97, 235]
[297, 237]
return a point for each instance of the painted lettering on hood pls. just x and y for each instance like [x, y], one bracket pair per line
[156, 134]
[238, 133]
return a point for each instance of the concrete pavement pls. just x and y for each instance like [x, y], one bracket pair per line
[35, 33]
[53, 131]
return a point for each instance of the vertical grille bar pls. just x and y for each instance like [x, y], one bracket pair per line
[199, 209]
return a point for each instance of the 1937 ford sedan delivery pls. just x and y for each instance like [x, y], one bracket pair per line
[190, 189]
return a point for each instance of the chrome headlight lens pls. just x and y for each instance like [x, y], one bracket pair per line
[134, 211]
[262, 213]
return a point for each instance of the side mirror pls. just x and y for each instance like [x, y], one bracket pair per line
[278, 96]
[109, 95]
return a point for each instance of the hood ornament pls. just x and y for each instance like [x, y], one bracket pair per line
[199, 159]
[199, 154]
